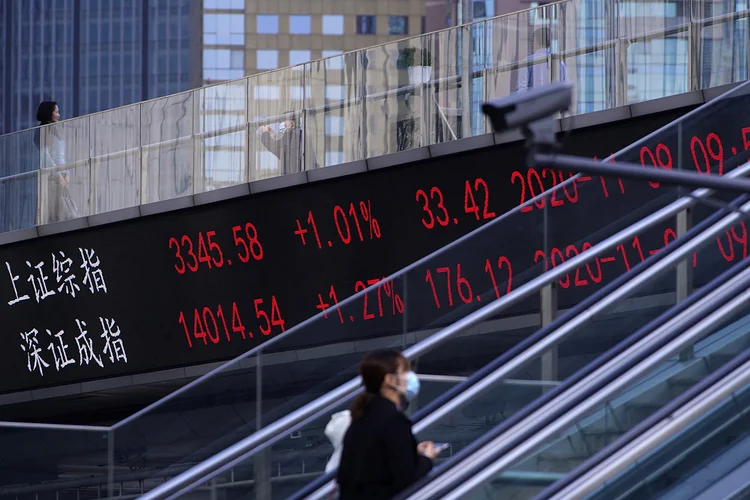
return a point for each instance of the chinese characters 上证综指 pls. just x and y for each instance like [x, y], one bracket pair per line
[65, 278]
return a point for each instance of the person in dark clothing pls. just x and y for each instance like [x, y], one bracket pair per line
[381, 457]
[288, 147]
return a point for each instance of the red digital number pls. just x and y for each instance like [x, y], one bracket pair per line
[517, 175]
[173, 243]
[434, 192]
[254, 248]
[657, 161]
[203, 251]
[214, 247]
[358, 287]
[553, 201]
[194, 266]
[470, 204]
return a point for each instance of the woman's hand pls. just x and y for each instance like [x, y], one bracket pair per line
[427, 448]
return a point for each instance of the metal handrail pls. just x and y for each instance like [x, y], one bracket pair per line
[665, 424]
[641, 428]
[536, 344]
[282, 425]
[581, 399]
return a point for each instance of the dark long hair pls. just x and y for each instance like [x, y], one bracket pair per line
[373, 369]
[44, 112]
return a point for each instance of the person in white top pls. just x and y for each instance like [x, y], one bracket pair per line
[538, 74]
[60, 205]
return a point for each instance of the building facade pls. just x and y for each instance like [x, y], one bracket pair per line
[92, 55]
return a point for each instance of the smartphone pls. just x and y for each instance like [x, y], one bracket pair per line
[441, 446]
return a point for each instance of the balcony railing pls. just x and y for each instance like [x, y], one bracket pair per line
[363, 104]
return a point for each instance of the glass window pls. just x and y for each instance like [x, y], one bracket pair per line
[333, 25]
[333, 62]
[298, 57]
[267, 59]
[224, 29]
[398, 25]
[224, 4]
[238, 59]
[299, 25]
[365, 25]
[267, 24]
[335, 92]
[334, 126]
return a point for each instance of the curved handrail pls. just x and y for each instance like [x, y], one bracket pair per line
[671, 420]
[488, 450]
[508, 361]
[282, 425]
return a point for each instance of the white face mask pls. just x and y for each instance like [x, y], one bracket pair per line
[282, 127]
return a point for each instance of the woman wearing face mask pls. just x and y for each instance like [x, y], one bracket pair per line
[381, 457]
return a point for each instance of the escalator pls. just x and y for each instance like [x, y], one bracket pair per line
[574, 355]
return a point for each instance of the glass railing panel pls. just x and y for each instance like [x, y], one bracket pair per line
[692, 461]
[276, 101]
[621, 412]
[221, 136]
[66, 175]
[723, 39]
[19, 180]
[394, 74]
[658, 64]
[336, 130]
[436, 96]
[167, 157]
[34, 456]
[115, 159]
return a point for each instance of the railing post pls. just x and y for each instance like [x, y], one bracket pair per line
[684, 278]
[363, 64]
[694, 56]
[248, 171]
[466, 71]
[262, 459]
[548, 296]
[141, 160]
[621, 71]
[92, 174]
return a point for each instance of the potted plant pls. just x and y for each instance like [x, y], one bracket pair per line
[418, 64]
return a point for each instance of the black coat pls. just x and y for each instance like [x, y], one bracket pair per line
[380, 458]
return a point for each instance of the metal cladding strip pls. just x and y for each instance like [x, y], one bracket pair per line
[574, 404]
[282, 425]
[670, 425]
[643, 427]
[433, 411]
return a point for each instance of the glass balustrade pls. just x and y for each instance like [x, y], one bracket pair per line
[384, 99]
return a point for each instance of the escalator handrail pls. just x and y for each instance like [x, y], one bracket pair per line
[639, 433]
[281, 426]
[425, 416]
[497, 447]
[642, 427]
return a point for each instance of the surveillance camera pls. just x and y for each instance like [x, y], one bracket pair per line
[524, 108]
